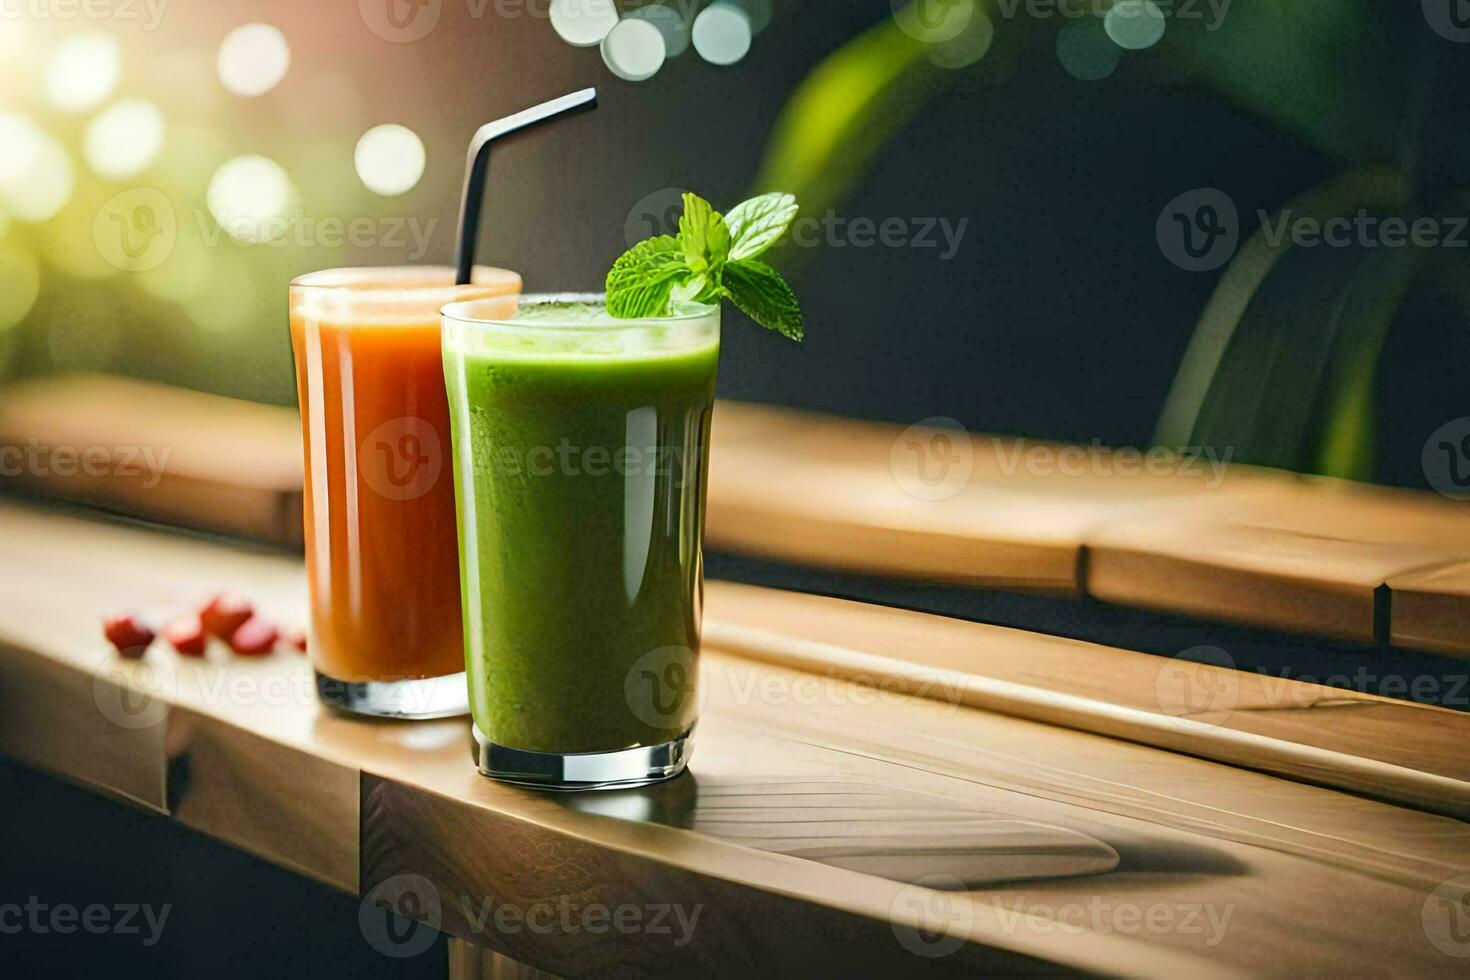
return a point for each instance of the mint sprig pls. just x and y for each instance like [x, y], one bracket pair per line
[713, 258]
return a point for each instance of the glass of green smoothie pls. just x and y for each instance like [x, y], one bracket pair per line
[581, 453]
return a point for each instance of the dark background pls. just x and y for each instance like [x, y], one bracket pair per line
[1059, 317]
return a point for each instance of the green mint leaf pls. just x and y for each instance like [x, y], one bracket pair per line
[711, 259]
[764, 296]
[701, 289]
[759, 223]
[640, 283]
[703, 234]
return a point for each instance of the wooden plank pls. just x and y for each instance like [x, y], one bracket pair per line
[931, 504]
[1430, 609]
[1307, 555]
[1196, 537]
[158, 452]
[1396, 750]
[768, 834]
[280, 803]
[59, 720]
[1187, 832]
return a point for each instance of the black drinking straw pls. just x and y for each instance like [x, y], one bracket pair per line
[479, 162]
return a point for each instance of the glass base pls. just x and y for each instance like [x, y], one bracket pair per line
[418, 700]
[575, 771]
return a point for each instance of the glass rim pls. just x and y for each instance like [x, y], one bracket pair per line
[399, 278]
[459, 312]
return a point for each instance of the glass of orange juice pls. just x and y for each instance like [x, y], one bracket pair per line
[382, 548]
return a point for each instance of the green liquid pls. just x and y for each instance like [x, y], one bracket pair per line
[580, 482]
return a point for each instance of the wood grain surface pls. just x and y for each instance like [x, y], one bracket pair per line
[1308, 555]
[158, 452]
[928, 503]
[1431, 609]
[835, 818]
[1188, 533]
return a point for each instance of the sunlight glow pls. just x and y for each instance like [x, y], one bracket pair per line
[634, 50]
[36, 175]
[253, 59]
[83, 71]
[124, 139]
[583, 23]
[389, 159]
[248, 197]
[722, 33]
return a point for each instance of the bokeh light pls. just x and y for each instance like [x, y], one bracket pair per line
[933, 21]
[83, 71]
[36, 175]
[248, 197]
[634, 50]
[253, 59]
[19, 141]
[722, 33]
[670, 24]
[389, 159]
[21, 274]
[583, 23]
[1085, 51]
[972, 44]
[124, 139]
[1135, 24]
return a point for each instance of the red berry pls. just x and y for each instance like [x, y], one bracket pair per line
[296, 639]
[130, 636]
[254, 638]
[224, 615]
[186, 635]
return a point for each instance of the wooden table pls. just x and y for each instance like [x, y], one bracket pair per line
[1190, 534]
[873, 790]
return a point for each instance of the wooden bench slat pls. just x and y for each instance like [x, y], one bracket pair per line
[1431, 609]
[1307, 555]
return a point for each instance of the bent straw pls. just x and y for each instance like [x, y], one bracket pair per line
[479, 162]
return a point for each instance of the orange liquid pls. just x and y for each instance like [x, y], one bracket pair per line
[381, 541]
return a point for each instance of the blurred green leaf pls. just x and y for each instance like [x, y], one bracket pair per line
[1218, 389]
[844, 112]
[1347, 437]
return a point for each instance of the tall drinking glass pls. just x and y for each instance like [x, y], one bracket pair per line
[381, 546]
[581, 452]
